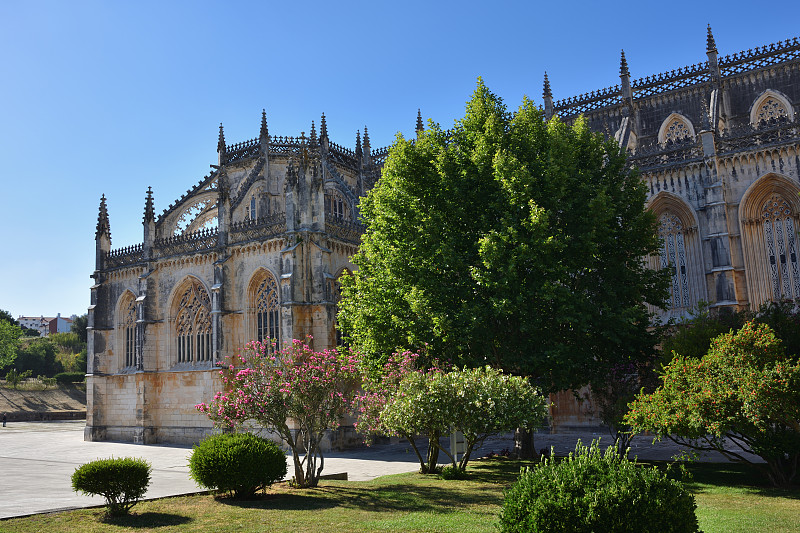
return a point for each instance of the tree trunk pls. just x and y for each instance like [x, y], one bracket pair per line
[523, 444]
[433, 453]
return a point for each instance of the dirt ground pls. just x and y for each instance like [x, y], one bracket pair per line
[62, 403]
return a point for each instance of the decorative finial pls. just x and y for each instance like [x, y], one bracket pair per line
[711, 46]
[264, 134]
[623, 66]
[221, 141]
[420, 126]
[366, 140]
[547, 93]
[323, 128]
[149, 211]
[359, 153]
[313, 133]
[103, 225]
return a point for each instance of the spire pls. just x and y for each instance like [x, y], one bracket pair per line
[420, 126]
[264, 130]
[713, 59]
[366, 141]
[323, 128]
[625, 82]
[221, 141]
[547, 93]
[359, 153]
[103, 226]
[548, 99]
[623, 66]
[149, 212]
[313, 134]
[711, 46]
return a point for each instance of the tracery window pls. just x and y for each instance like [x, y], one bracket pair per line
[335, 205]
[673, 257]
[676, 131]
[193, 325]
[267, 310]
[771, 110]
[127, 330]
[781, 246]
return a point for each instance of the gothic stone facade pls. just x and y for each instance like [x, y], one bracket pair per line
[255, 249]
[718, 147]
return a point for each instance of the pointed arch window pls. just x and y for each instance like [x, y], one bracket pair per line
[127, 330]
[193, 325]
[267, 310]
[771, 110]
[675, 129]
[250, 212]
[780, 237]
[673, 257]
[335, 205]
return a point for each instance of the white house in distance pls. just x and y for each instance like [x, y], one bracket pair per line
[47, 325]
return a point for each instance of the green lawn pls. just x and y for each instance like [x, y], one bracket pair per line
[733, 498]
[727, 502]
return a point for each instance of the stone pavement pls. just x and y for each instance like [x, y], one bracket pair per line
[38, 458]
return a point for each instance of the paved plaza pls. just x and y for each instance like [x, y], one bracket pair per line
[38, 458]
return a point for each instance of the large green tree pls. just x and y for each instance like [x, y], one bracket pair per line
[506, 240]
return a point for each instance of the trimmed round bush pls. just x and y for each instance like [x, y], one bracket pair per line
[122, 482]
[589, 491]
[237, 463]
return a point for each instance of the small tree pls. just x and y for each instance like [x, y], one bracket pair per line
[299, 393]
[403, 378]
[744, 391]
[478, 402]
[481, 402]
[14, 378]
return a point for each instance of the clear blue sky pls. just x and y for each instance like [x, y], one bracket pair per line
[113, 97]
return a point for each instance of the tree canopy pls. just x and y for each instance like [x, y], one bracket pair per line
[9, 341]
[79, 326]
[744, 390]
[506, 240]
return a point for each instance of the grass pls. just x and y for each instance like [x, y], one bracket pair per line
[733, 498]
[729, 497]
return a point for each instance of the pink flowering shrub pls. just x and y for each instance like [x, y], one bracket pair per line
[297, 392]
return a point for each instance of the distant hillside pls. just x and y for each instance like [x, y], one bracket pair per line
[54, 404]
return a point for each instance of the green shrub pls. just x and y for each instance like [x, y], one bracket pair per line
[238, 463]
[70, 377]
[450, 472]
[122, 482]
[14, 378]
[47, 382]
[589, 491]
